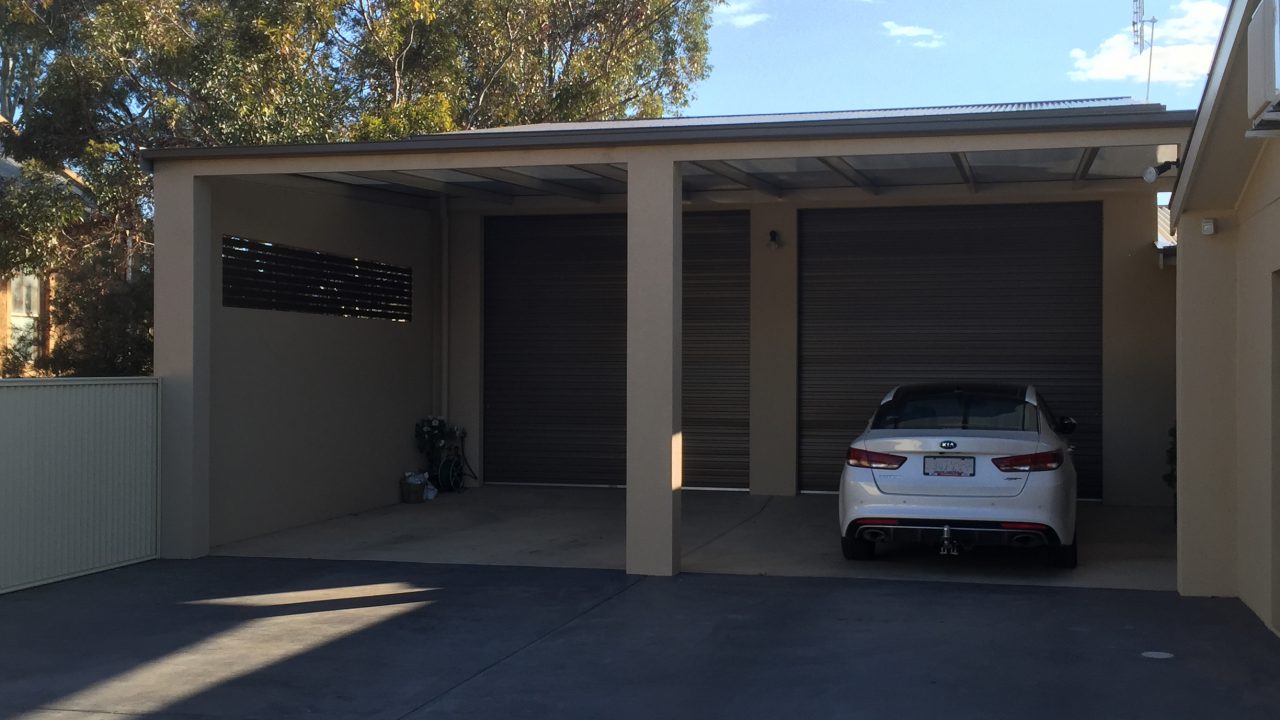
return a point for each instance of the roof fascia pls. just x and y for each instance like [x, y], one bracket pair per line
[1230, 48]
[985, 123]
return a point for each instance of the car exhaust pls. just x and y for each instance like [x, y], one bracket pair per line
[875, 534]
[1026, 540]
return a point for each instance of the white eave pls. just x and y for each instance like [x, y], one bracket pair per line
[1221, 123]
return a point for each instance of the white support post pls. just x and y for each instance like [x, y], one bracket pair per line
[654, 438]
[184, 267]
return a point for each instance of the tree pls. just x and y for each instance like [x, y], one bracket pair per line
[488, 63]
[91, 84]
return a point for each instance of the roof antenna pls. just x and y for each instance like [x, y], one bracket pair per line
[1140, 39]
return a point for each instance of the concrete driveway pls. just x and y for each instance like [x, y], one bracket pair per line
[280, 638]
[721, 532]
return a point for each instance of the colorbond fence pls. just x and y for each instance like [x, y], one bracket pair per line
[79, 476]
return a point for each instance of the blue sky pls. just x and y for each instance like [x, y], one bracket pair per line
[809, 55]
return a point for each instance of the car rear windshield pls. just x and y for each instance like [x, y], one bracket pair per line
[956, 409]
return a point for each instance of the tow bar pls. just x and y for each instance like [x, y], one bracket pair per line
[949, 545]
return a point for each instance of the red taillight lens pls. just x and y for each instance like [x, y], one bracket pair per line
[875, 460]
[1022, 526]
[1034, 462]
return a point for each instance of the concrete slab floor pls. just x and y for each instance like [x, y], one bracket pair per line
[722, 532]
[273, 638]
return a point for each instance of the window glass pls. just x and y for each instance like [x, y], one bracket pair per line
[24, 297]
[955, 409]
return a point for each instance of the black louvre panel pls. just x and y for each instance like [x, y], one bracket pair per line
[267, 276]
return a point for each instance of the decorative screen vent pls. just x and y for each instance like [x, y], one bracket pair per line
[266, 276]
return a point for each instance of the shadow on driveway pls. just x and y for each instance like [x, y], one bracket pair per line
[274, 638]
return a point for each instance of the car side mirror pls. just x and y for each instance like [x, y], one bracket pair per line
[1066, 425]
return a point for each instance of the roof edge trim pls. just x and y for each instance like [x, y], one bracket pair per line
[983, 123]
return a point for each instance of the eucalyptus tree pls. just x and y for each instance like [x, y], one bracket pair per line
[91, 84]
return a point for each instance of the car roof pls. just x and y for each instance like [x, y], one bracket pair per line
[1021, 391]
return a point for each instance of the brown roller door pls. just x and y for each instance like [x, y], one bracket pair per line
[891, 295]
[555, 349]
[717, 349]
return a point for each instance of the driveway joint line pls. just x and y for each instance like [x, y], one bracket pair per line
[735, 526]
[431, 701]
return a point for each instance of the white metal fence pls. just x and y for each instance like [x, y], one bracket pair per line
[79, 476]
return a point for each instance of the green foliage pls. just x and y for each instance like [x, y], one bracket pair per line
[16, 359]
[37, 211]
[102, 316]
[91, 84]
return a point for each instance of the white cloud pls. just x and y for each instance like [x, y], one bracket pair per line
[925, 37]
[739, 15]
[1184, 47]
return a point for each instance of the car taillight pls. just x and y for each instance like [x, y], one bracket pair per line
[875, 460]
[1022, 526]
[1034, 462]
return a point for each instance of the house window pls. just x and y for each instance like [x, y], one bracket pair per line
[267, 276]
[24, 306]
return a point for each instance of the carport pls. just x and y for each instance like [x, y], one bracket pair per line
[655, 305]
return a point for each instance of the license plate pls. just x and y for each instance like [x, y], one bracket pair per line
[949, 466]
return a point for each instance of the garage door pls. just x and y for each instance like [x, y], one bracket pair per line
[1003, 293]
[555, 349]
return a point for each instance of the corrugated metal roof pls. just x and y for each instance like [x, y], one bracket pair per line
[1124, 104]
[1166, 233]
[9, 168]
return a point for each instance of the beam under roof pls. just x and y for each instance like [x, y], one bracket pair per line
[851, 174]
[966, 172]
[604, 170]
[743, 178]
[1086, 164]
[395, 177]
[550, 187]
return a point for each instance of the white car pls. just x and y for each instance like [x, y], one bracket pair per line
[960, 465]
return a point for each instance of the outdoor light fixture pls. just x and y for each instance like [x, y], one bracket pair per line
[774, 243]
[1208, 226]
[1154, 172]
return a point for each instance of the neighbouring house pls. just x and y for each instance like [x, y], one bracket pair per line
[1226, 211]
[24, 299]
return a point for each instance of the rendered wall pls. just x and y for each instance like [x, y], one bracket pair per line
[1229, 315]
[312, 415]
[1138, 336]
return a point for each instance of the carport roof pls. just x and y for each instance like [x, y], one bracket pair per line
[1048, 116]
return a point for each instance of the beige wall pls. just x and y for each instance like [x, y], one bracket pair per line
[775, 351]
[1206, 416]
[1228, 319]
[465, 378]
[313, 414]
[1138, 334]
[1138, 355]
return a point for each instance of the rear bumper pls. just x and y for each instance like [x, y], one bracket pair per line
[965, 532]
[1048, 499]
